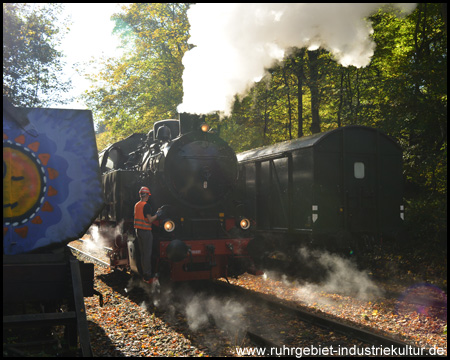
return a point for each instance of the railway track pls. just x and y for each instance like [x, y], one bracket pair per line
[369, 339]
[90, 257]
[273, 339]
[77, 247]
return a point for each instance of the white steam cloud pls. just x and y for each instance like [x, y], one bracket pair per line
[342, 276]
[104, 236]
[235, 43]
[201, 310]
[227, 315]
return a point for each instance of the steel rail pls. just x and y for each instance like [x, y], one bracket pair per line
[319, 320]
[90, 256]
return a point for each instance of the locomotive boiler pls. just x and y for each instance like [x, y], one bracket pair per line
[191, 173]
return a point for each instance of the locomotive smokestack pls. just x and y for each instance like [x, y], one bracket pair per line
[190, 122]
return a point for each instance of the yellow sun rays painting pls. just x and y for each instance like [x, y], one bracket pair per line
[51, 180]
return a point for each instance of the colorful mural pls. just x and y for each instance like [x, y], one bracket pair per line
[51, 180]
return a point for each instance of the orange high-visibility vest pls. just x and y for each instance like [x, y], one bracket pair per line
[140, 221]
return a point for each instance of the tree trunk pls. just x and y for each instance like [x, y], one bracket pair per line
[341, 90]
[266, 120]
[299, 73]
[314, 88]
[286, 83]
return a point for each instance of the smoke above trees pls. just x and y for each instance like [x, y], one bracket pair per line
[236, 43]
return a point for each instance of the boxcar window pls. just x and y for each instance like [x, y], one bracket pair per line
[359, 170]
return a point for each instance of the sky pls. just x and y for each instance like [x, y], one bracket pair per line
[90, 36]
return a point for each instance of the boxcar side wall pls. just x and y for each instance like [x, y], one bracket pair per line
[358, 182]
[273, 202]
[390, 195]
[346, 182]
[278, 191]
[327, 191]
[303, 190]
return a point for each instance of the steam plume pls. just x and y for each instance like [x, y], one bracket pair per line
[226, 314]
[342, 276]
[235, 43]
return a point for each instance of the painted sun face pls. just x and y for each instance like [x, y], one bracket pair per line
[23, 183]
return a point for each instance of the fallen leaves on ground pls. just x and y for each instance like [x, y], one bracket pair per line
[418, 316]
[123, 328]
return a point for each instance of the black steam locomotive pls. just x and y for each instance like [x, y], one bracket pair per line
[339, 190]
[191, 174]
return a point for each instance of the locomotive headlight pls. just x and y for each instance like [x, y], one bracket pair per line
[244, 224]
[205, 127]
[169, 226]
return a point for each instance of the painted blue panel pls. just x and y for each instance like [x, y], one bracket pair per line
[51, 178]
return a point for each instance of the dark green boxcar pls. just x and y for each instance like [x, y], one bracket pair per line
[328, 187]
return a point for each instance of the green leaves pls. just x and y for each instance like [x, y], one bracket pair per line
[31, 63]
[143, 86]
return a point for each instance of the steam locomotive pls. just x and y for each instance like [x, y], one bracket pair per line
[191, 172]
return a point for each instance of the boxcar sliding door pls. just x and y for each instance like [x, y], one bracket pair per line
[360, 192]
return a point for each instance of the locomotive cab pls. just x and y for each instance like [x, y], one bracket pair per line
[166, 130]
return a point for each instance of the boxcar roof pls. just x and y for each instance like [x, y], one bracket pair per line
[303, 142]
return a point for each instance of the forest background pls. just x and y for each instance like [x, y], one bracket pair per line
[402, 92]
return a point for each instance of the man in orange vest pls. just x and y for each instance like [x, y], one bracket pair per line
[143, 225]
